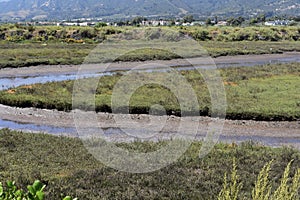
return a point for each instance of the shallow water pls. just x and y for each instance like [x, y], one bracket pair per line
[6, 83]
[112, 133]
[27, 127]
[269, 141]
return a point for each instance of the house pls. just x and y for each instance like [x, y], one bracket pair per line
[278, 23]
[75, 24]
[69, 24]
[186, 24]
[145, 23]
[178, 23]
[270, 23]
[222, 23]
[159, 23]
[197, 23]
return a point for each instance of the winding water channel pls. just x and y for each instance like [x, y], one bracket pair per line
[10, 79]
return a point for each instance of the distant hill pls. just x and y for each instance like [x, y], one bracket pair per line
[69, 9]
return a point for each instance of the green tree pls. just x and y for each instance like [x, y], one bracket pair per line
[172, 22]
[208, 21]
[261, 18]
[138, 20]
[235, 21]
[100, 24]
[121, 23]
[253, 21]
[188, 19]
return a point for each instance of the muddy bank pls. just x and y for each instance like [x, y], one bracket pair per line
[62, 123]
[223, 61]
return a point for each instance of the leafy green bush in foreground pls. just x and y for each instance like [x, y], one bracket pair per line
[35, 192]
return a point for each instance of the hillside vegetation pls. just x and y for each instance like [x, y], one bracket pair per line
[70, 9]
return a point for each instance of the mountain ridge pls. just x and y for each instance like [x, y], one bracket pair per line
[70, 9]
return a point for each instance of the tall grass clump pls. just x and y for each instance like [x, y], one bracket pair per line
[262, 189]
[288, 188]
[230, 190]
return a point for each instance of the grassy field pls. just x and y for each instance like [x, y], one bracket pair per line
[218, 48]
[67, 168]
[267, 92]
[31, 54]
[27, 46]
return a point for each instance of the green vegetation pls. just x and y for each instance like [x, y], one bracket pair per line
[18, 33]
[288, 188]
[27, 45]
[262, 188]
[31, 54]
[230, 191]
[219, 48]
[268, 92]
[251, 33]
[35, 192]
[66, 167]
[63, 164]
[52, 53]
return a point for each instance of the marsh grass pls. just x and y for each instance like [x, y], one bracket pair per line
[221, 48]
[31, 54]
[252, 33]
[67, 168]
[72, 45]
[267, 92]
[54, 53]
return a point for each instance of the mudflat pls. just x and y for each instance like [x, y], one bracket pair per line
[43, 70]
